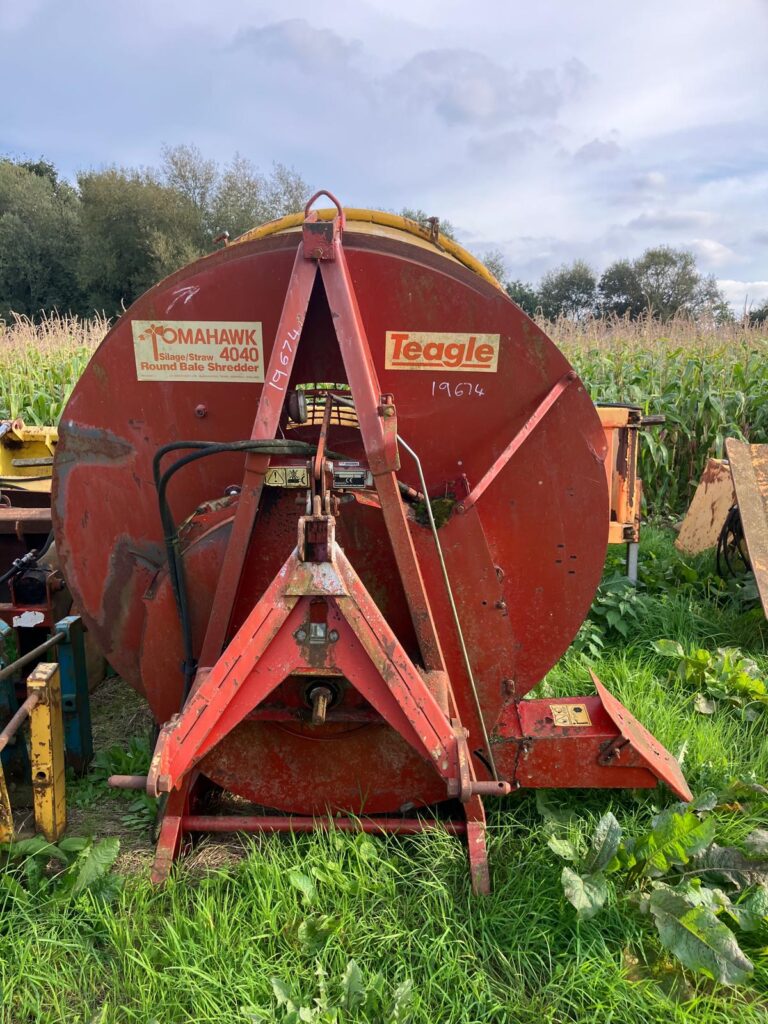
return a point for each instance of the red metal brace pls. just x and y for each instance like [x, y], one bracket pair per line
[357, 644]
[230, 685]
[322, 245]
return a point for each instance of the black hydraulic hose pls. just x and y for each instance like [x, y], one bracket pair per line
[200, 449]
[730, 539]
[32, 557]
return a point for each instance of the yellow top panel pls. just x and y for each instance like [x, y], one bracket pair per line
[26, 455]
[387, 225]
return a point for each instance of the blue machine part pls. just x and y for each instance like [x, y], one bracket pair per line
[75, 698]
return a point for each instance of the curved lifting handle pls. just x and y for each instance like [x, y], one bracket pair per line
[334, 200]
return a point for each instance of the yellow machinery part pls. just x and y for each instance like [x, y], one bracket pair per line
[35, 445]
[379, 222]
[47, 751]
[620, 425]
[6, 815]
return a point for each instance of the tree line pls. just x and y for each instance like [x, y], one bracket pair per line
[97, 244]
[662, 283]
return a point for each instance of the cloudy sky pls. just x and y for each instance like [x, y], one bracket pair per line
[549, 130]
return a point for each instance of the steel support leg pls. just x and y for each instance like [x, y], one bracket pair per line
[633, 549]
[171, 836]
[75, 696]
[477, 850]
[47, 751]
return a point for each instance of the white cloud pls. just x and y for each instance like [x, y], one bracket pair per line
[598, 149]
[671, 220]
[553, 131]
[650, 181]
[744, 293]
[712, 253]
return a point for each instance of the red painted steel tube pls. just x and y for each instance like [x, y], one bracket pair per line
[13, 725]
[30, 656]
[127, 781]
[276, 823]
[522, 435]
[264, 428]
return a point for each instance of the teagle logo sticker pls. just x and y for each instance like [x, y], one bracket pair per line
[209, 350]
[421, 350]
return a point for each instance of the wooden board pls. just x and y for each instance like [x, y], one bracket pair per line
[749, 468]
[706, 515]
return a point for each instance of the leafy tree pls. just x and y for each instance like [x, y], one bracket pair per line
[525, 295]
[759, 316]
[621, 293]
[43, 169]
[138, 231]
[494, 262]
[569, 291]
[185, 169]
[672, 285]
[664, 282]
[244, 197]
[40, 240]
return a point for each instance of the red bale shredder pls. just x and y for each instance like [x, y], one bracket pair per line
[334, 504]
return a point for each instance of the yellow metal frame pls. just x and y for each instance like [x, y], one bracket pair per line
[46, 754]
[6, 814]
[46, 728]
[625, 489]
[370, 221]
[26, 442]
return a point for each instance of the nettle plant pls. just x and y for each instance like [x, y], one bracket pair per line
[697, 893]
[726, 676]
[62, 870]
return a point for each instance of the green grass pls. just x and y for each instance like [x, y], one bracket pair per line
[206, 947]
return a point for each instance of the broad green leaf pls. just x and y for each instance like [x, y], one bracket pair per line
[547, 808]
[674, 840]
[605, 845]
[282, 993]
[563, 848]
[587, 893]
[95, 863]
[352, 987]
[729, 864]
[698, 939]
[314, 932]
[303, 883]
[699, 895]
[756, 903]
[704, 705]
[706, 801]
[402, 998]
[73, 844]
[33, 847]
[668, 648]
[756, 843]
[9, 887]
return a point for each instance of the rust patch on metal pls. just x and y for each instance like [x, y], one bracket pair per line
[79, 444]
[706, 515]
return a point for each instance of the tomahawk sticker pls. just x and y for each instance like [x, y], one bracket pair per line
[210, 350]
[420, 350]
